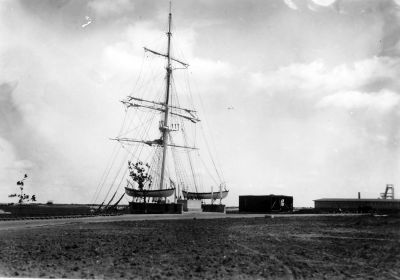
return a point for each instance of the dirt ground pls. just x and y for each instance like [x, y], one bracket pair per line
[342, 247]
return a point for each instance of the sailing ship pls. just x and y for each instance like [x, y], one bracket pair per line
[159, 133]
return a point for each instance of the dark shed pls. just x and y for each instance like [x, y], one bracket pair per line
[265, 203]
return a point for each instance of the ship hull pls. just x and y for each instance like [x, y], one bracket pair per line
[206, 195]
[155, 208]
[149, 193]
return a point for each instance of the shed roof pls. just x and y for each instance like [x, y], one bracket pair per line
[268, 195]
[359, 199]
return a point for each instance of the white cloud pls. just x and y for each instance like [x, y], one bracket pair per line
[7, 154]
[317, 78]
[324, 3]
[291, 4]
[312, 6]
[211, 77]
[9, 174]
[319, 5]
[117, 60]
[23, 165]
[212, 69]
[106, 8]
[382, 101]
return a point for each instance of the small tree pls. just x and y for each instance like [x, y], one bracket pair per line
[22, 196]
[139, 173]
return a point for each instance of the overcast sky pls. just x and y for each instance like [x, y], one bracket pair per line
[313, 83]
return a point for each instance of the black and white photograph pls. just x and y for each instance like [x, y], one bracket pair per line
[199, 139]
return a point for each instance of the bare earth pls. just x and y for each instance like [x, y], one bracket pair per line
[337, 247]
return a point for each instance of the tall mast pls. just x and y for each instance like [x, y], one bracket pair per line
[165, 125]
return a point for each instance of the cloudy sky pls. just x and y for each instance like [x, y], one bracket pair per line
[313, 83]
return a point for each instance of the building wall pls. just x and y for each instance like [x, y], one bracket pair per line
[358, 204]
[265, 203]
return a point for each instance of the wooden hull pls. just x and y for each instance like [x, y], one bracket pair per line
[149, 193]
[155, 208]
[207, 195]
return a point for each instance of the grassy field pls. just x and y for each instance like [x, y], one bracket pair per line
[341, 247]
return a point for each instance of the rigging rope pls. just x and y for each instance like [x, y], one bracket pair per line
[108, 169]
[123, 162]
[220, 175]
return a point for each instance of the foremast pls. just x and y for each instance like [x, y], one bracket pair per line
[164, 127]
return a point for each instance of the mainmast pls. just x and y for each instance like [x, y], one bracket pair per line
[164, 107]
[164, 127]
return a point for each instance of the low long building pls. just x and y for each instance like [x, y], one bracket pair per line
[357, 205]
